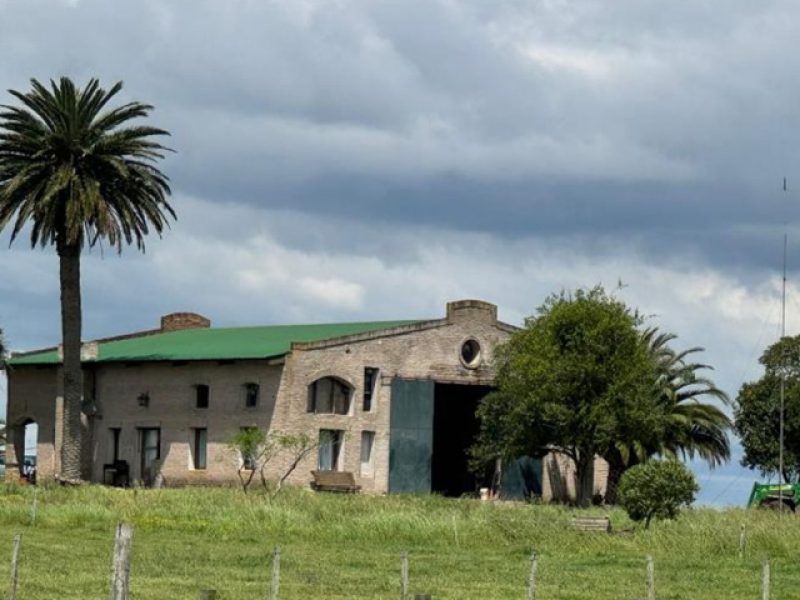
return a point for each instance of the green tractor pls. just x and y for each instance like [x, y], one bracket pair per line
[770, 495]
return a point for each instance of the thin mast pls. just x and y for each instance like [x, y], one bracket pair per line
[783, 365]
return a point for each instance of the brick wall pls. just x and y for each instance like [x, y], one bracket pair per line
[171, 407]
[426, 352]
[184, 320]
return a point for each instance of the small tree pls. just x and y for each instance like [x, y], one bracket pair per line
[656, 489]
[255, 448]
[298, 446]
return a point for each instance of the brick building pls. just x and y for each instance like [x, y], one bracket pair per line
[393, 401]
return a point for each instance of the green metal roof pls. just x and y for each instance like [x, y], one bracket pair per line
[213, 344]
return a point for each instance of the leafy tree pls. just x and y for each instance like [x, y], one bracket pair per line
[576, 379]
[77, 174]
[757, 414]
[257, 448]
[656, 489]
[254, 449]
[692, 428]
[297, 446]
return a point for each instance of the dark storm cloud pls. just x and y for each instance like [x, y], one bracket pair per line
[670, 124]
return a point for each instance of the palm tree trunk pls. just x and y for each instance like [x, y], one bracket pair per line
[70, 273]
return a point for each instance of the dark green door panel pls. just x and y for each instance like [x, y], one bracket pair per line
[522, 478]
[411, 436]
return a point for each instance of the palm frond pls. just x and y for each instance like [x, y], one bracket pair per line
[78, 172]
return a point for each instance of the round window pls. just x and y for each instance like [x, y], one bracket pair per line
[471, 354]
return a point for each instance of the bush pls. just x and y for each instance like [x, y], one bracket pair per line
[656, 489]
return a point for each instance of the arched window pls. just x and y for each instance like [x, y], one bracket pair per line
[330, 396]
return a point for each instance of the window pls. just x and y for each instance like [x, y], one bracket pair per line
[251, 391]
[367, 442]
[370, 379]
[249, 456]
[150, 444]
[201, 395]
[330, 449]
[471, 354]
[199, 448]
[329, 396]
[115, 435]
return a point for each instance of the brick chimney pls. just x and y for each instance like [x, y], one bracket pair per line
[184, 320]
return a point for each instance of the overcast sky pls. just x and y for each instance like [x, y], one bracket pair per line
[349, 160]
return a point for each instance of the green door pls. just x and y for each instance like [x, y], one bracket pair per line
[411, 436]
[522, 479]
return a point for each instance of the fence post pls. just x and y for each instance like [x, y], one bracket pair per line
[532, 578]
[121, 564]
[276, 573]
[404, 576]
[742, 542]
[765, 580]
[33, 505]
[651, 579]
[207, 595]
[12, 587]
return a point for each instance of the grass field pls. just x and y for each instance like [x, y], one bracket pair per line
[349, 546]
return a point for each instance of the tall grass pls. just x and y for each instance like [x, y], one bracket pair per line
[345, 546]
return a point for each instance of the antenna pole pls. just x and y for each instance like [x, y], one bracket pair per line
[783, 366]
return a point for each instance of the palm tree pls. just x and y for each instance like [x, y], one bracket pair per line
[75, 175]
[692, 427]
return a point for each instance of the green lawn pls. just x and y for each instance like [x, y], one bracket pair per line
[349, 547]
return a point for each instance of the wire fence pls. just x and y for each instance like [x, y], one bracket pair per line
[421, 576]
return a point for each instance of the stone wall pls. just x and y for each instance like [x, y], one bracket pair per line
[558, 478]
[170, 390]
[426, 351]
[32, 393]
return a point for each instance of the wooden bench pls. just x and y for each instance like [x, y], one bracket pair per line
[592, 524]
[334, 481]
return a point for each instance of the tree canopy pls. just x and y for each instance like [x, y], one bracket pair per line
[694, 427]
[576, 379]
[77, 174]
[757, 414]
[656, 489]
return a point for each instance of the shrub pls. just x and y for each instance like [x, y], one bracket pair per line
[656, 489]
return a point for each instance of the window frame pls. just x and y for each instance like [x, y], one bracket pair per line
[367, 467]
[248, 388]
[202, 391]
[197, 433]
[253, 460]
[116, 434]
[313, 396]
[337, 449]
[372, 376]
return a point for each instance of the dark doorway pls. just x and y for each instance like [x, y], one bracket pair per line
[455, 427]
